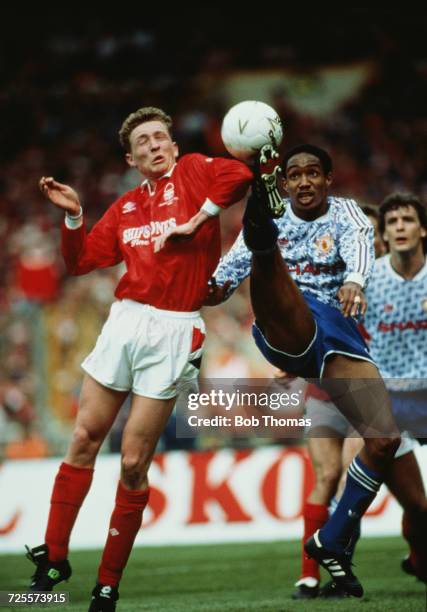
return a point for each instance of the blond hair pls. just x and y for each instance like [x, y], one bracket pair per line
[142, 115]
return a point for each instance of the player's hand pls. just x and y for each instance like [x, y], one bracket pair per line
[186, 230]
[216, 293]
[352, 300]
[61, 195]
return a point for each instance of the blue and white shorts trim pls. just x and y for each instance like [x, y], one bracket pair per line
[335, 334]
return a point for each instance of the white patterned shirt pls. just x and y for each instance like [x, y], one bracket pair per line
[396, 320]
[320, 254]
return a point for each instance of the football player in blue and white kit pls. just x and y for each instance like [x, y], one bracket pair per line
[307, 272]
[396, 322]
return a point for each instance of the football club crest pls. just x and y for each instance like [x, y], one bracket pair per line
[324, 244]
[168, 195]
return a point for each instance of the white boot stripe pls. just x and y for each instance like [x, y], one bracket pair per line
[316, 539]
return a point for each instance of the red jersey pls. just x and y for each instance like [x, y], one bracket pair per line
[176, 277]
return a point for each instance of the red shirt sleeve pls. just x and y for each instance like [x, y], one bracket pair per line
[84, 252]
[231, 181]
[227, 180]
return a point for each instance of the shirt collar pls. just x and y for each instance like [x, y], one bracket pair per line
[418, 276]
[297, 220]
[151, 185]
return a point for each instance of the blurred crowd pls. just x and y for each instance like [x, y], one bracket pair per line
[62, 105]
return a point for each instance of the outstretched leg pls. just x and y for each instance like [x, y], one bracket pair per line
[280, 310]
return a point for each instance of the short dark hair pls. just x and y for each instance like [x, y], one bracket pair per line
[400, 199]
[322, 155]
[370, 211]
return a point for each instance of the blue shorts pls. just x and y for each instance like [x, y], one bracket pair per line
[410, 411]
[335, 334]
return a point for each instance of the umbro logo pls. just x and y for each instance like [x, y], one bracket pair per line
[114, 532]
[128, 207]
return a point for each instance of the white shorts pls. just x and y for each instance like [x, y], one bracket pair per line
[324, 414]
[407, 444]
[148, 351]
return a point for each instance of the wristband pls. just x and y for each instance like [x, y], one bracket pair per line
[74, 221]
[355, 277]
[210, 208]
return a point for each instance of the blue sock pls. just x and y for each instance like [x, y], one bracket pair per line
[361, 488]
[333, 503]
[355, 536]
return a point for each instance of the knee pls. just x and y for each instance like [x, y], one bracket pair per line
[134, 468]
[382, 449]
[83, 440]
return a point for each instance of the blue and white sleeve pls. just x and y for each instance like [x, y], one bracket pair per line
[235, 266]
[356, 243]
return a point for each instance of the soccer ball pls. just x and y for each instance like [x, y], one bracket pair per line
[248, 126]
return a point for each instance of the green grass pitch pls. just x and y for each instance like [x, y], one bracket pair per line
[231, 578]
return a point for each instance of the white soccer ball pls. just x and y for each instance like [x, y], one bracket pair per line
[248, 126]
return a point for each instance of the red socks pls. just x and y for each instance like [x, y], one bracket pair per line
[124, 525]
[315, 516]
[69, 490]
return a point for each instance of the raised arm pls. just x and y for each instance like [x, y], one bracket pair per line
[83, 252]
[62, 196]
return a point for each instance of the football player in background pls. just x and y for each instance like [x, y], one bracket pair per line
[396, 324]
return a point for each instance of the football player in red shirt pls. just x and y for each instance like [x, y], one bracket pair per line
[152, 341]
